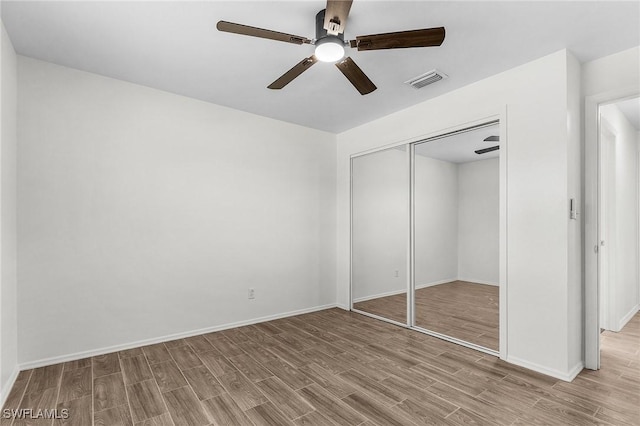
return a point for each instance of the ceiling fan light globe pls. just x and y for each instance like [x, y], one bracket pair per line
[329, 51]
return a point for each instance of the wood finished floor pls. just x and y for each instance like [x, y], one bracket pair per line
[460, 309]
[329, 368]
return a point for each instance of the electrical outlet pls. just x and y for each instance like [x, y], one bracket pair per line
[397, 274]
[252, 293]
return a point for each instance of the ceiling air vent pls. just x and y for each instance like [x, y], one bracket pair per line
[426, 79]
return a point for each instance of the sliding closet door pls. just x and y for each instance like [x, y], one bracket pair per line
[380, 232]
[456, 201]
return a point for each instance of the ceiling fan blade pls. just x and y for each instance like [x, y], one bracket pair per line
[230, 27]
[402, 39]
[335, 16]
[492, 139]
[355, 75]
[294, 72]
[485, 150]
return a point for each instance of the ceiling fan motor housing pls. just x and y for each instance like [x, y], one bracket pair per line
[321, 33]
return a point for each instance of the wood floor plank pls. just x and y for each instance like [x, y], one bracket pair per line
[184, 357]
[326, 361]
[293, 377]
[287, 401]
[374, 410]
[17, 391]
[313, 419]
[223, 410]
[267, 328]
[267, 415]
[175, 343]
[105, 364]
[492, 413]
[145, 400]
[235, 336]
[115, 416]
[199, 344]
[332, 383]
[223, 345]
[251, 368]
[256, 335]
[185, 408]
[431, 410]
[287, 354]
[130, 352]
[80, 412]
[245, 393]
[39, 399]
[203, 383]
[168, 376]
[330, 407]
[369, 386]
[156, 353]
[258, 351]
[405, 389]
[161, 420]
[135, 369]
[44, 378]
[291, 341]
[463, 417]
[78, 363]
[75, 384]
[216, 363]
[109, 392]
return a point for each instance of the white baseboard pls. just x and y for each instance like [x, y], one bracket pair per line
[625, 319]
[101, 351]
[431, 284]
[474, 281]
[404, 290]
[376, 296]
[567, 376]
[4, 392]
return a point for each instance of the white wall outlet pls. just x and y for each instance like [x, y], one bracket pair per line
[397, 274]
[252, 293]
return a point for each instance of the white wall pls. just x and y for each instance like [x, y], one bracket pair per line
[8, 245]
[623, 288]
[436, 221]
[535, 97]
[611, 73]
[479, 221]
[380, 224]
[144, 214]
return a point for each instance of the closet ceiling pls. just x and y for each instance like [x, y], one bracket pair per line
[174, 46]
[461, 147]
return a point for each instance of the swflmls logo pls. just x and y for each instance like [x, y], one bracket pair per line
[29, 413]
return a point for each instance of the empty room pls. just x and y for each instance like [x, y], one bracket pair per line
[319, 213]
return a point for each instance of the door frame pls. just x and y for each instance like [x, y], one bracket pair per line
[606, 233]
[592, 174]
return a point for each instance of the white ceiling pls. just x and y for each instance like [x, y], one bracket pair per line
[460, 147]
[174, 46]
[631, 109]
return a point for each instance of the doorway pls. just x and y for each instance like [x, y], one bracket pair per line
[612, 225]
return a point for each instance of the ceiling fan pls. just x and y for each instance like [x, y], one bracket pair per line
[330, 45]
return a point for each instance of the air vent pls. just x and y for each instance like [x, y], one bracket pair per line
[426, 79]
